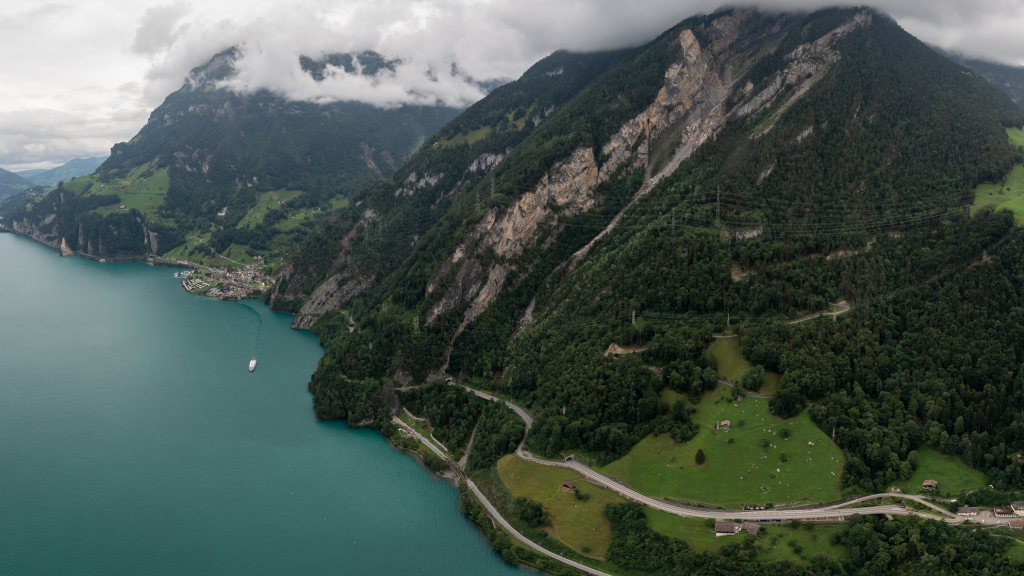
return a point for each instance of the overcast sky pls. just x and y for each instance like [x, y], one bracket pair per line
[77, 77]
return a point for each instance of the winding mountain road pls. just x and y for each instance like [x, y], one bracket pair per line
[835, 512]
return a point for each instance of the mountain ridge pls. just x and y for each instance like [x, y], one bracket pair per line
[65, 172]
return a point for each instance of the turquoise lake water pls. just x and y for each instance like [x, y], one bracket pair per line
[133, 440]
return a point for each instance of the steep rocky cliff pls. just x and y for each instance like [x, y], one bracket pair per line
[68, 223]
[713, 126]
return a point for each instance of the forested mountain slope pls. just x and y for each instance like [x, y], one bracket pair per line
[741, 168]
[738, 140]
[208, 157]
[408, 217]
[11, 183]
[1009, 79]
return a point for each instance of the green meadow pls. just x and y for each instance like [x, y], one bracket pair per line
[467, 138]
[577, 523]
[1008, 194]
[738, 469]
[773, 543]
[194, 239]
[267, 201]
[732, 365]
[949, 471]
[143, 193]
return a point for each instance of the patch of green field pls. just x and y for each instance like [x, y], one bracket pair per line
[736, 472]
[1016, 136]
[1015, 551]
[416, 425]
[192, 239]
[772, 542]
[732, 365]
[267, 201]
[143, 194]
[577, 523]
[1008, 194]
[950, 472]
[237, 252]
[1003, 195]
[338, 202]
[295, 220]
[469, 138]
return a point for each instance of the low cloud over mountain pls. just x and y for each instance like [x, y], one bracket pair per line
[94, 69]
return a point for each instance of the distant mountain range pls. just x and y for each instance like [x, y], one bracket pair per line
[30, 173]
[12, 183]
[212, 160]
[1009, 79]
[71, 169]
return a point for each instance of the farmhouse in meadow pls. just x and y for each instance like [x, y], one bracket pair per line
[929, 485]
[726, 528]
[750, 528]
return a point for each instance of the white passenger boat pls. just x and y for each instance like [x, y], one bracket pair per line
[252, 364]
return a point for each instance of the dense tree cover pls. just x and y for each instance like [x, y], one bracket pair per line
[601, 404]
[452, 411]
[886, 151]
[917, 546]
[532, 513]
[753, 379]
[902, 546]
[935, 364]
[667, 262]
[984, 497]
[1008, 78]
[892, 139]
[498, 432]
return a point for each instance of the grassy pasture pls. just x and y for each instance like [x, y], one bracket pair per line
[1009, 194]
[577, 523]
[142, 194]
[772, 542]
[194, 238]
[296, 219]
[732, 365]
[736, 472]
[416, 425]
[467, 138]
[1016, 136]
[266, 201]
[950, 471]
[237, 253]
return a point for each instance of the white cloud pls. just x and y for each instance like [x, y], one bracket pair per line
[160, 27]
[87, 74]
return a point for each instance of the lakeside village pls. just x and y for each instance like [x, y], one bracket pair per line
[248, 281]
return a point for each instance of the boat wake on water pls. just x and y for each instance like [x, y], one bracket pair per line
[259, 330]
